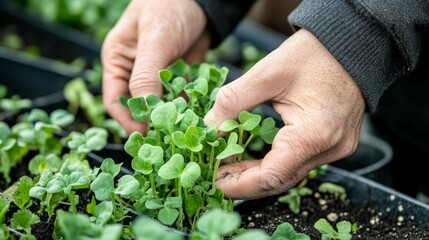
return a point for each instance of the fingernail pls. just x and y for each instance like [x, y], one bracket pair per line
[209, 119]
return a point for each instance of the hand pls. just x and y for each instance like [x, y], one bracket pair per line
[320, 104]
[150, 35]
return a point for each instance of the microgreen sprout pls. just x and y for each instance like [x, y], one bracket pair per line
[343, 232]
[178, 156]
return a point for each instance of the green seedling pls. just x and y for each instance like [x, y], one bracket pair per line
[145, 228]
[4, 207]
[337, 190]
[285, 231]
[293, 198]
[216, 224]
[23, 219]
[178, 156]
[71, 226]
[329, 233]
[4, 231]
[51, 188]
[294, 195]
[21, 196]
[104, 188]
[14, 103]
[80, 97]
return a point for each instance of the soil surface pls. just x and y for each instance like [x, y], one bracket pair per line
[268, 213]
[44, 229]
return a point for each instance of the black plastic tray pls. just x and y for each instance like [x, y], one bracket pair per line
[55, 41]
[362, 191]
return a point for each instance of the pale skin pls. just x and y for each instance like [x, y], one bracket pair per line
[320, 104]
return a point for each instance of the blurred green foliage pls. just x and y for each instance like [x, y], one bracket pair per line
[95, 17]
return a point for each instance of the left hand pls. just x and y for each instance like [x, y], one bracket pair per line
[320, 104]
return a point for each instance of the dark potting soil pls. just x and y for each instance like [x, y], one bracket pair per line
[268, 213]
[44, 229]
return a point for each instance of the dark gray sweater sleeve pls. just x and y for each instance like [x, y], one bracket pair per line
[376, 41]
[224, 15]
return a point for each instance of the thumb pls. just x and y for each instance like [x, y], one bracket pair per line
[244, 93]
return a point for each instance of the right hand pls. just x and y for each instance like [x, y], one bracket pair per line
[150, 35]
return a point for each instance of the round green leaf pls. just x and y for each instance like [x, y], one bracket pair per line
[133, 144]
[228, 125]
[168, 215]
[102, 186]
[216, 222]
[127, 185]
[190, 174]
[164, 116]
[172, 168]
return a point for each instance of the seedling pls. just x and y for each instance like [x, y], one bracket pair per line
[80, 97]
[21, 196]
[337, 190]
[329, 233]
[4, 207]
[78, 226]
[178, 156]
[14, 103]
[104, 188]
[285, 231]
[294, 195]
[23, 219]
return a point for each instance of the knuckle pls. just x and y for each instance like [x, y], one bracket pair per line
[348, 146]
[272, 181]
[141, 83]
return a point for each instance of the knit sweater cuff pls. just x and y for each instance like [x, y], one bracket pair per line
[355, 39]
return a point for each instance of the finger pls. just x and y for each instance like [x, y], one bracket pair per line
[197, 52]
[282, 168]
[117, 64]
[256, 179]
[244, 93]
[154, 53]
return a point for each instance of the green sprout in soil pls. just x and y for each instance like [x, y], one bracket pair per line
[178, 156]
[343, 232]
[294, 195]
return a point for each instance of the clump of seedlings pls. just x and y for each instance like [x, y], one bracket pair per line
[178, 157]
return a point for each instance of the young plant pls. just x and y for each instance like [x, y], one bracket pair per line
[7, 143]
[52, 189]
[71, 226]
[285, 231]
[14, 103]
[104, 188]
[21, 195]
[23, 219]
[337, 190]
[145, 228]
[80, 97]
[329, 233]
[217, 224]
[294, 195]
[4, 208]
[178, 157]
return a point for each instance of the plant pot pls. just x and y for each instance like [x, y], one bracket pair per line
[54, 41]
[379, 211]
